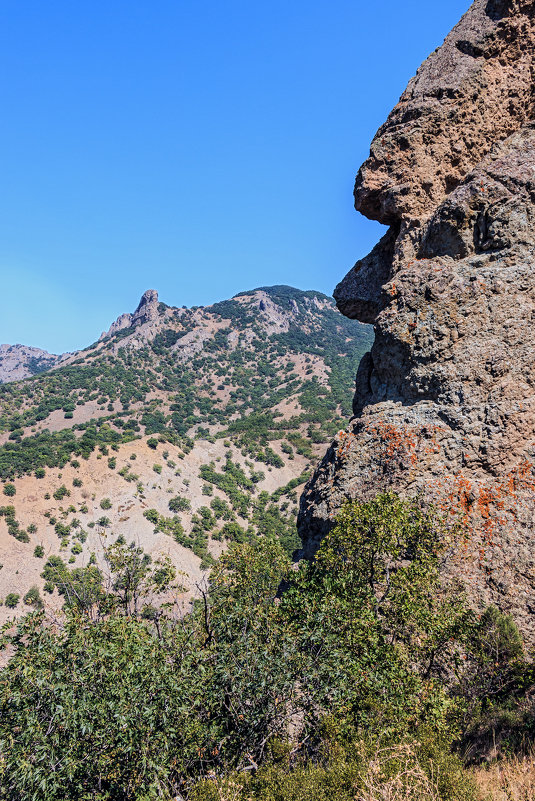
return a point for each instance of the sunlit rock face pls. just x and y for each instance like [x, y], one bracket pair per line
[445, 401]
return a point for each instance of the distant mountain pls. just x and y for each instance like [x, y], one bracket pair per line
[22, 361]
[179, 428]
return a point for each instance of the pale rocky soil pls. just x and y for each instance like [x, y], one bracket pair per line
[133, 332]
[21, 570]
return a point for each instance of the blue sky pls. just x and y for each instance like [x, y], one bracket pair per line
[197, 147]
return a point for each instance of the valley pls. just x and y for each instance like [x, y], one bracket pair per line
[179, 429]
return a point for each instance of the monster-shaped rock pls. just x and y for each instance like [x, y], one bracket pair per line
[445, 401]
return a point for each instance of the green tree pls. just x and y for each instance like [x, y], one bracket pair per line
[372, 610]
[108, 722]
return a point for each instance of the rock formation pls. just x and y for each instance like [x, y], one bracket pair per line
[146, 312]
[445, 401]
[21, 361]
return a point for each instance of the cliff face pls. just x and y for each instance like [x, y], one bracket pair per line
[146, 312]
[445, 401]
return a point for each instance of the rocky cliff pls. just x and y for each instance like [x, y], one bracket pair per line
[146, 312]
[445, 400]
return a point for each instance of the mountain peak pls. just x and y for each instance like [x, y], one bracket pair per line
[147, 309]
[148, 298]
[146, 312]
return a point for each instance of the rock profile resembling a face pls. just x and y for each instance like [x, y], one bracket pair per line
[445, 402]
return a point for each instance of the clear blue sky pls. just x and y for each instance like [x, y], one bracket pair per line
[197, 147]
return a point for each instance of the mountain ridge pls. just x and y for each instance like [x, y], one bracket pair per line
[183, 428]
[18, 361]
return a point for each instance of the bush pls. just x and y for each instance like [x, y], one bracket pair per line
[9, 490]
[61, 492]
[152, 516]
[178, 504]
[33, 598]
[105, 503]
[12, 600]
[354, 659]
[101, 672]
[39, 551]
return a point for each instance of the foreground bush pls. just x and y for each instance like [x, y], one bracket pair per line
[90, 708]
[352, 682]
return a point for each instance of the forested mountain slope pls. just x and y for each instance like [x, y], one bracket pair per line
[180, 428]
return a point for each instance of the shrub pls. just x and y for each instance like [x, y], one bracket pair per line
[61, 492]
[151, 515]
[179, 504]
[9, 490]
[33, 598]
[12, 600]
[350, 660]
[105, 503]
[39, 551]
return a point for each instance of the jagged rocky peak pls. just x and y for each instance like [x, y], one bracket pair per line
[445, 401]
[146, 312]
[147, 309]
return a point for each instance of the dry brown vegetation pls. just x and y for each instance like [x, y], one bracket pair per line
[511, 779]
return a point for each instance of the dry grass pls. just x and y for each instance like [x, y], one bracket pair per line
[227, 790]
[408, 783]
[510, 780]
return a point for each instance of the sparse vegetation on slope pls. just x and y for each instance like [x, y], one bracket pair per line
[231, 404]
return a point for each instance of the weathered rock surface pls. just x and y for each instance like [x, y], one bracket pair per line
[146, 312]
[445, 401]
[22, 361]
